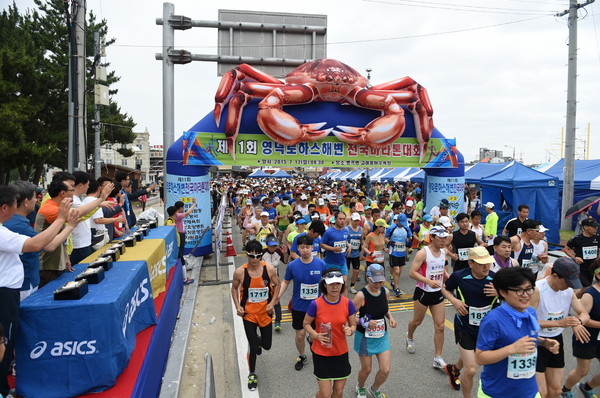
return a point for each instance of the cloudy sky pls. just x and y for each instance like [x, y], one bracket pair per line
[496, 71]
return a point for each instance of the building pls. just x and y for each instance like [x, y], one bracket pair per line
[140, 160]
[156, 161]
[485, 153]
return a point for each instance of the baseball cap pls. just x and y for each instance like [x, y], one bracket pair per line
[303, 197]
[443, 205]
[272, 241]
[402, 219]
[248, 201]
[333, 276]
[428, 218]
[355, 216]
[381, 223]
[544, 229]
[315, 216]
[301, 220]
[590, 222]
[480, 255]
[568, 269]
[489, 205]
[445, 221]
[410, 203]
[321, 202]
[376, 273]
[439, 232]
[359, 207]
[264, 214]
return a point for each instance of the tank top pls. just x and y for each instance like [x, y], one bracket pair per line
[523, 256]
[376, 307]
[538, 248]
[303, 210]
[478, 230]
[432, 268]
[263, 232]
[594, 313]
[553, 306]
[255, 294]
[461, 244]
[354, 238]
[376, 256]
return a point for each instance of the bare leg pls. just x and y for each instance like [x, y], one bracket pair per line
[366, 362]
[418, 316]
[300, 334]
[469, 369]
[438, 313]
[384, 360]
[338, 388]
[581, 370]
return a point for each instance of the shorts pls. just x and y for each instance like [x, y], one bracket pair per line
[546, 359]
[428, 298]
[298, 319]
[397, 261]
[481, 394]
[370, 346]
[331, 368]
[590, 350]
[342, 268]
[353, 262]
[466, 340]
[282, 228]
[586, 275]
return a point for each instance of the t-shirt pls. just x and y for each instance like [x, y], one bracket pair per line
[470, 291]
[398, 236]
[82, 233]
[306, 279]
[498, 329]
[179, 222]
[336, 238]
[514, 227]
[337, 315]
[585, 247]
[31, 261]
[491, 225]
[11, 268]
[283, 211]
[55, 260]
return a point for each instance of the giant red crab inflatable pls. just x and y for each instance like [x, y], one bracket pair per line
[322, 80]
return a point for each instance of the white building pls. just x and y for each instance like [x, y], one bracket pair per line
[140, 160]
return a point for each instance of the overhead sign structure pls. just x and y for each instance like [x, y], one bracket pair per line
[335, 121]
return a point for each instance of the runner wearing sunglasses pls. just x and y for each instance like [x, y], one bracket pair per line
[254, 290]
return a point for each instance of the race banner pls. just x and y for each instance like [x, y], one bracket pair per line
[450, 188]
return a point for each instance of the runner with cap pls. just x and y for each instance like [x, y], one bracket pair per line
[428, 269]
[540, 249]
[355, 244]
[333, 317]
[255, 289]
[274, 256]
[424, 229]
[400, 237]
[491, 222]
[585, 352]
[302, 205]
[282, 219]
[335, 245]
[462, 240]
[305, 272]
[507, 339]
[583, 249]
[471, 292]
[324, 212]
[375, 243]
[553, 299]
[371, 332]
[521, 244]
[263, 228]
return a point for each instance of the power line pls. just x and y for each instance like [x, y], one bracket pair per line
[460, 7]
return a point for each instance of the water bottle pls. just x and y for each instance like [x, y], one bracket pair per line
[326, 328]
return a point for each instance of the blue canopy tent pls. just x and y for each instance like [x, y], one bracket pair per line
[342, 175]
[480, 170]
[517, 184]
[355, 174]
[258, 173]
[417, 176]
[403, 177]
[374, 173]
[281, 174]
[389, 177]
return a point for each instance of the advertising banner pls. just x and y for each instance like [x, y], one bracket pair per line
[450, 188]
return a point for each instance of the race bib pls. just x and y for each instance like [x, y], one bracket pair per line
[376, 332]
[590, 252]
[476, 314]
[437, 275]
[554, 316]
[399, 246]
[519, 230]
[341, 244]
[521, 366]
[463, 254]
[355, 244]
[378, 256]
[263, 240]
[309, 291]
[527, 263]
[258, 294]
[323, 217]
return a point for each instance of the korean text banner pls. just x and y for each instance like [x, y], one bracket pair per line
[450, 188]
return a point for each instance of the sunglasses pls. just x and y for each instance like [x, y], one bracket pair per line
[251, 255]
[333, 274]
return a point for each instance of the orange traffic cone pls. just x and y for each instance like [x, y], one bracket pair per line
[230, 249]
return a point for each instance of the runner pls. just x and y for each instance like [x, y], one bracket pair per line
[306, 273]
[521, 245]
[274, 256]
[462, 240]
[282, 220]
[552, 299]
[254, 290]
[316, 230]
[476, 225]
[371, 332]
[584, 250]
[355, 244]
[428, 269]
[375, 243]
[540, 250]
[514, 226]
[585, 352]
[502, 251]
[506, 344]
[399, 236]
[334, 243]
[474, 298]
[491, 222]
[424, 229]
[334, 318]
[263, 228]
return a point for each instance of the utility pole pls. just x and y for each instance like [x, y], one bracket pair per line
[97, 160]
[81, 139]
[569, 170]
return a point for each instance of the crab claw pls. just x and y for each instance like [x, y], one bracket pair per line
[286, 129]
[378, 134]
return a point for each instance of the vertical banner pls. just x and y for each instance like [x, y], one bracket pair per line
[450, 188]
[185, 188]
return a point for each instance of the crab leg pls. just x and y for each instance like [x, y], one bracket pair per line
[283, 127]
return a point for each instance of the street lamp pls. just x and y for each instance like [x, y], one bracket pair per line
[513, 148]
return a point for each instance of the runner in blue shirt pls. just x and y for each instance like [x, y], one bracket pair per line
[306, 273]
[315, 231]
[335, 244]
[508, 335]
[400, 237]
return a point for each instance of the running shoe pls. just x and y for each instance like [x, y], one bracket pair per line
[398, 292]
[453, 374]
[410, 345]
[252, 382]
[392, 283]
[439, 363]
[277, 327]
[375, 394]
[361, 392]
[358, 278]
[259, 349]
[300, 362]
[188, 281]
[586, 393]
[567, 394]
[353, 290]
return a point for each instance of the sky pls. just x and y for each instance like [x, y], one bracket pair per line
[495, 71]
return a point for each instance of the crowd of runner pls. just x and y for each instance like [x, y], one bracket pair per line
[511, 305]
